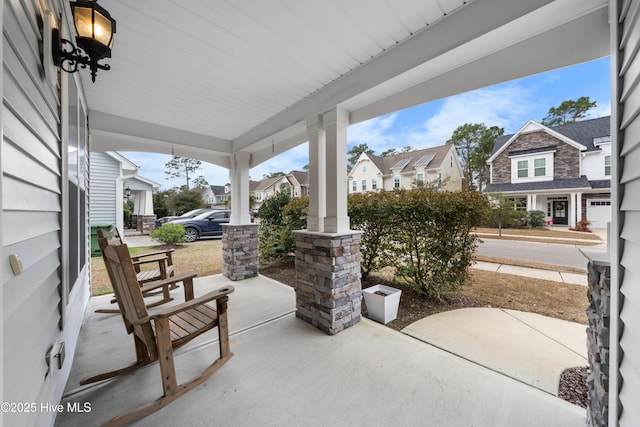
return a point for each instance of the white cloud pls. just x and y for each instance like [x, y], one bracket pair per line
[602, 109]
[378, 133]
[508, 106]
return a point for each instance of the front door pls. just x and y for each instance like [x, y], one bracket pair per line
[560, 212]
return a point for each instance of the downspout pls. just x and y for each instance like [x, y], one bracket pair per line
[119, 203]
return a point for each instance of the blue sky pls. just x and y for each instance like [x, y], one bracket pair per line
[509, 105]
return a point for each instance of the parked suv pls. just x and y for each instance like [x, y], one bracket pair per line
[205, 224]
[190, 214]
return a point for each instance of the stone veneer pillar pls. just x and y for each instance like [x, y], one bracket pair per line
[598, 312]
[145, 223]
[328, 287]
[239, 251]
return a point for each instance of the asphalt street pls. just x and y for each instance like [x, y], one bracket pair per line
[546, 253]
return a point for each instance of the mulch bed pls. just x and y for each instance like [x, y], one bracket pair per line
[413, 307]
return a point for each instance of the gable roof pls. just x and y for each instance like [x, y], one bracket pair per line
[301, 177]
[430, 158]
[269, 182]
[581, 133]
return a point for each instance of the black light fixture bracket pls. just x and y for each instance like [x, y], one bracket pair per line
[94, 28]
[69, 58]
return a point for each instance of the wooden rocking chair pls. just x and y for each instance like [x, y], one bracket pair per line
[157, 335]
[163, 257]
[158, 279]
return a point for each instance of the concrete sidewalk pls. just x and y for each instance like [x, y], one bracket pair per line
[527, 347]
[536, 273]
[285, 372]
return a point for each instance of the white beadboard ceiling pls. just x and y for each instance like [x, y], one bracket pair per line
[208, 78]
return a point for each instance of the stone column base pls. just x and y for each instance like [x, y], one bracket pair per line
[240, 251]
[328, 287]
[145, 223]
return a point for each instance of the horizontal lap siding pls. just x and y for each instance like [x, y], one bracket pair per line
[104, 172]
[31, 215]
[629, 161]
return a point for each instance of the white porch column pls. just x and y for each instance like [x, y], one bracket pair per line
[336, 220]
[578, 208]
[572, 210]
[239, 177]
[317, 174]
[534, 202]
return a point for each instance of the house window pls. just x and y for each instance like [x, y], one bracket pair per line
[258, 196]
[519, 203]
[396, 181]
[374, 184]
[364, 185]
[354, 187]
[607, 165]
[295, 191]
[523, 168]
[420, 178]
[364, 169]
[539, 167]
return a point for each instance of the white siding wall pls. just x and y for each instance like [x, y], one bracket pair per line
[626, 250]
[105, 170]
[593, 164]
[36, 310]
[364, 170]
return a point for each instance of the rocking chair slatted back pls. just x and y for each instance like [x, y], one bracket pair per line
[128, 293]
[158, 334]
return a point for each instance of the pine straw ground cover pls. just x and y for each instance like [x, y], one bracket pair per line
[483, 289]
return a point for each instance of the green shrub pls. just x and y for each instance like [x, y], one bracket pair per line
[536, 219]
[432, 240]
[278, 222]
[272, 207]
[369, 213]
[169, 233]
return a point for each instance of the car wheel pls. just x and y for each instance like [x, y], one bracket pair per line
[190, 234]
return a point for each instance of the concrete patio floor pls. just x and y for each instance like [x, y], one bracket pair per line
[287, 373]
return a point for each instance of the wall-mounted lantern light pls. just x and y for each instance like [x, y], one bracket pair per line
[94, 29]
[127, 192]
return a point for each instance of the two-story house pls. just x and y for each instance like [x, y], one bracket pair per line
[564, 171]
[296, 182]
[217, 196]
[435, 166]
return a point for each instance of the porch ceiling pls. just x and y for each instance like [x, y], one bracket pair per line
[208, 78]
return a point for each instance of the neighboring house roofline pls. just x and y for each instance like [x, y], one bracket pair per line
[127, 164]
[137, 177]
[533, 126]
[407, 161]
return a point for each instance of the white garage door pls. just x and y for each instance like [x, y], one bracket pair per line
[599, 213]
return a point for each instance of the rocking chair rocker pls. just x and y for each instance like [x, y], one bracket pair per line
[157, 335]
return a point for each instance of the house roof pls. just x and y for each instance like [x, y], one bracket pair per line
[581, 132]
[301, 176]
[557, 184]
[217, 189]
[267, 183]
[429, 158]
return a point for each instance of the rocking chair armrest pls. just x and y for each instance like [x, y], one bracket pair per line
[168, 281]
[147, 261]
[147, 254]
[170, 311]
